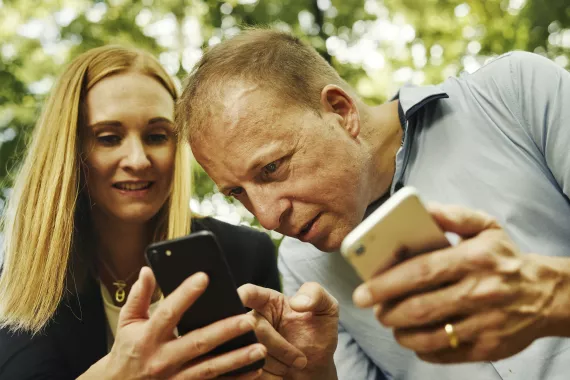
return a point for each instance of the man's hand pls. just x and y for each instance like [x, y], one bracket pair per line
[308, 321]
[497, 299]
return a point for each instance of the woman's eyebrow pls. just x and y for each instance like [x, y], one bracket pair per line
[106, 123]
[160, 120]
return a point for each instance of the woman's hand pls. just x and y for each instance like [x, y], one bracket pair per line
[146, 348]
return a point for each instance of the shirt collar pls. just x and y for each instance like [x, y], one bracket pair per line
[413, 98]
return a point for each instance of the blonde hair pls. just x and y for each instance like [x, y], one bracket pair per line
[272, 59]
[42, 222]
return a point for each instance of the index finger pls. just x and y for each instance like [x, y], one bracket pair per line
[277, 346]
[170, 310]
[461, 220]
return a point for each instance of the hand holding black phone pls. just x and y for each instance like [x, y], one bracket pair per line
[172, 261]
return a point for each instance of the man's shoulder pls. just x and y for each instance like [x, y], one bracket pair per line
[510, 64]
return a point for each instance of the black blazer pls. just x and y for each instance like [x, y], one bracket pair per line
[76, 337]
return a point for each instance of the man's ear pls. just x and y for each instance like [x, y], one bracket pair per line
[334, 99]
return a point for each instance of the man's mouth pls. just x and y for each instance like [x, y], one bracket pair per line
[132, 186]
[307, 227]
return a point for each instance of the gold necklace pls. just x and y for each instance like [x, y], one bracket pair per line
[119, 284]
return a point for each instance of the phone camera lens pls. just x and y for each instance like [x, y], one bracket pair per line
[360, 250]
[154, 254]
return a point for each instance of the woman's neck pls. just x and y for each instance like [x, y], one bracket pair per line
[119, 250]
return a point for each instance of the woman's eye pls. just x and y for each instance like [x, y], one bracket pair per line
[109, 140]
[157, 138]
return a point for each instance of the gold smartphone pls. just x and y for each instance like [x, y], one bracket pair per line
[398, 229]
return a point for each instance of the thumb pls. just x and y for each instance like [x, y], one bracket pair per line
[314, 298]
[461, 220]
[138, 301]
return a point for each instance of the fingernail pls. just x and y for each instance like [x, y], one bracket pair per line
[246, 324]
[257, 353]
[302, 300]
[362, 296]
[200, 279]
[300, 362]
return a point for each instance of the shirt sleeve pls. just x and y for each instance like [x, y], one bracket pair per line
[351, 362]
[542, 90]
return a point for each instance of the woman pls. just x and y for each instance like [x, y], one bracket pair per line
[106, 174]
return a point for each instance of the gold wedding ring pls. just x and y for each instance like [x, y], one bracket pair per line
[453, 338]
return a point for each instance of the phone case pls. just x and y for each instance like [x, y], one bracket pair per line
[172, 261]
[397, 230]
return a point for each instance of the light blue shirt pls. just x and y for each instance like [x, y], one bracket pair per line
[497, 140]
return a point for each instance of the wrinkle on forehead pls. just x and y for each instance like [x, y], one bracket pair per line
[247, 107]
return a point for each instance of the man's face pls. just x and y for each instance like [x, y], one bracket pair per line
[298, 172]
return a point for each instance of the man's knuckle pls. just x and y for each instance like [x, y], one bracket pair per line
[209, 370]
[425, 271]
[420, 311]
[490, 347]
[497, 320]
[503, 244]
[425, 343]
[167, 314]
[157, 367]
[199, 346]
[480, 254]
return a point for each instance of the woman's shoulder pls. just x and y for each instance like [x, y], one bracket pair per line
[250, 254]
[65, 347]
[241, 238]
[24, 355]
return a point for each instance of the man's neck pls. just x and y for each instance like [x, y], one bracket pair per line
[383, 132]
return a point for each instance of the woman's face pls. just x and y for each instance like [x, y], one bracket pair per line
[129, 146]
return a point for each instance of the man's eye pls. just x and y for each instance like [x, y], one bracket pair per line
[270, 168]
[109, 140]
[236, 191]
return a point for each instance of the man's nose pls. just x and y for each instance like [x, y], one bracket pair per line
[136, 157]
[268, 208]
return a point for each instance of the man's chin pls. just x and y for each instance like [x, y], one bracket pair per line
[328, 244]
[332, 241]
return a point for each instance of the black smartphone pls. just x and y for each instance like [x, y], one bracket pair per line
[173, 261]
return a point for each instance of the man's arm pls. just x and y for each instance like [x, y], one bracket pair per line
[542, 90]
[351, 362]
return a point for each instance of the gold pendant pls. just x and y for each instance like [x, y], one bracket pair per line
[120, 293]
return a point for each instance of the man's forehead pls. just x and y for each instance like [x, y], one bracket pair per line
[247, 108]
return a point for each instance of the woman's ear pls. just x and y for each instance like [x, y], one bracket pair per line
[334, 99]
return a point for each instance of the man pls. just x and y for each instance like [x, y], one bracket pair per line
[276, 127]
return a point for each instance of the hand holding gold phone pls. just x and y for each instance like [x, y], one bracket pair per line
[400, 228]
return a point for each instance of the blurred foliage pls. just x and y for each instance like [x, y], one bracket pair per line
[376, 45]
